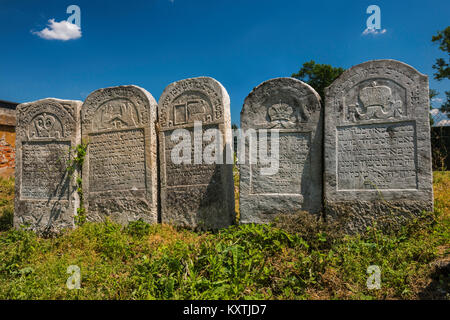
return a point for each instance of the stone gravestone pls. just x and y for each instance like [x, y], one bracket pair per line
[120, 169]
[195, 193]
[293, 108]
[377, 145]
[47, 130]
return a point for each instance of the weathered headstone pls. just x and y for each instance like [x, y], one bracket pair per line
[293, 108]
[377, 145]
[195, 193]
[120, 169]
[46, 200]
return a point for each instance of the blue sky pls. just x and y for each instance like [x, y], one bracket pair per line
[241, 43]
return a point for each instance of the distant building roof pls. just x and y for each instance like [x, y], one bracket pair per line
[8, 104]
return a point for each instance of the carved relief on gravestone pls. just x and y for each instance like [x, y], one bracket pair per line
[120, 169]
[46, 200]
[195, 193]
[377, 145]
[293, 109]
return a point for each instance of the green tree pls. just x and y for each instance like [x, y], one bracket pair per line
[446, 105]
[442, 66]
[318, 76]
[433, 93]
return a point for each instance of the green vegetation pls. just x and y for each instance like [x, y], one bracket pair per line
[6, 203]
[441, 66]
[296, 259]
[319, 76]
[236, 179]
[75, 164]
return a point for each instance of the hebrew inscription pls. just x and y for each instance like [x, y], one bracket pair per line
[294, 161]
[195, 193]
[120, 173]
[293, 109]
[47, 130]
[117, 160]
[377, 146]
[191, 174]
[44, 174]
[377, 157]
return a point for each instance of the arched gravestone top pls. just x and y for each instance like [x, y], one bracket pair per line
[294, 109]
[196, 195]
[120, 169]
[177, 107]
[45, 195]
[377, 145]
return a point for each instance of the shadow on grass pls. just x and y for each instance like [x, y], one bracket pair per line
[439, 287]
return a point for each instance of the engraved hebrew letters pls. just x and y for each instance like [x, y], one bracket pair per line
[195, 193]
[119, 173]
[293, 109]
[45, 199]
[377, 146]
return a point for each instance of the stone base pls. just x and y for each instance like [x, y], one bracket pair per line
[356, 216]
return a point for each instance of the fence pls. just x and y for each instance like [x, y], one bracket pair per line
[440, 146]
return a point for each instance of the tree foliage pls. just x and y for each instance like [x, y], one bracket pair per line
[442, 66]
[433, 93]
[318, 76]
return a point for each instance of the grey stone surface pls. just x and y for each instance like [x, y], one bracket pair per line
[120, 169]
[293, 107]
[195, 195]
[377, 146]
[46, 200]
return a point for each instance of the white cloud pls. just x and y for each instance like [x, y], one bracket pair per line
[438, 100]
[435, 112]
[59, 31]
[373, 31]
[440, 118]
[443, 123]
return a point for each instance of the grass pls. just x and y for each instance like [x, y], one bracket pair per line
[6, 203]
[297, 260]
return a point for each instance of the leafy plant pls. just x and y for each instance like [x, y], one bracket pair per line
[75, 164]
[298, 258]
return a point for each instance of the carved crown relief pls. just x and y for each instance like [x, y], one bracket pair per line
[375, 102]
[282, 103]
[114, 114]
[45, 125]
[281, 115]
[280, 112]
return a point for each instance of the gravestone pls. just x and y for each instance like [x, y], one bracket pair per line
[377, 146]
[120, 169]
[195, 193]
[293, 108]
[47, 130]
